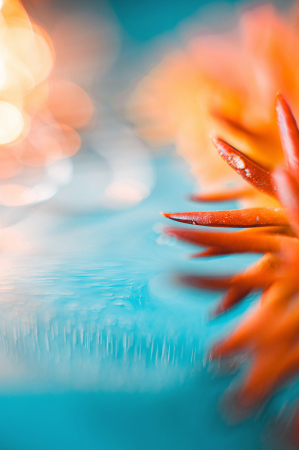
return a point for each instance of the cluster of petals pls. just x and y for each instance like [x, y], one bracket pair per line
[225, 85]
[269, 333]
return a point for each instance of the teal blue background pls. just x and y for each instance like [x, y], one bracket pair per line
[124, 407]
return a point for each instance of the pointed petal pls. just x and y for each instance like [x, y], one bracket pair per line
[262, 378]
[233, 242]
[255, 277]
[244, 337]
[204, 282]
[289, 134]
[291, 363]
[262, 231]
[235, 125]
[218, 251]
[234, 295]
[239, 218]
[257, 328]
[252, 172]
[210, 253]
[259, 231]
[224, 195]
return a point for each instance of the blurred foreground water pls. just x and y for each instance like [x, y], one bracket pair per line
[99, 347]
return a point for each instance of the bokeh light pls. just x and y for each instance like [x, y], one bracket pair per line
[39, 113]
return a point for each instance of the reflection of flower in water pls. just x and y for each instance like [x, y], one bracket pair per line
[223, 85]
[38, 115]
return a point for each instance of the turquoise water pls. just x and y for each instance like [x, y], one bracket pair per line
[99, 347]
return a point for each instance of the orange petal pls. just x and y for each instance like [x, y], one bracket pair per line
[246, 335]
[262, 378]
[253, 173]
[257, 328]
[288, 192]
[210, 253]
[240, 218]
[225, 194]
[289, 134]
[233, 242]
[234, 295]
[215, 283]
[260, 274]
[290, 365]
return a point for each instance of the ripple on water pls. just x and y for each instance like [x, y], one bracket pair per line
[90, 324]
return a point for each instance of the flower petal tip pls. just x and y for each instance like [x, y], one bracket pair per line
[279, 96]
[216, 141]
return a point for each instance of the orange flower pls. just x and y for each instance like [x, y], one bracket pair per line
[224, 85]
[269, 334]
